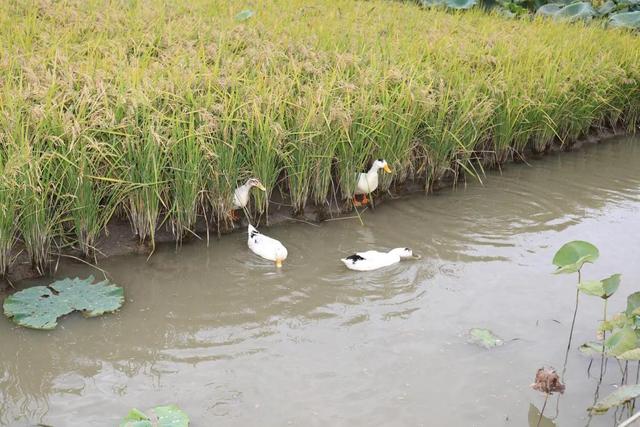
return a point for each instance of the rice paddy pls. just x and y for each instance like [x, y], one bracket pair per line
[153, 111]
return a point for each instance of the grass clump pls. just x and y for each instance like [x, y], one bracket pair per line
[155, 111]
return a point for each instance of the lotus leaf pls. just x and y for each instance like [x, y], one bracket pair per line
[576, 11]
[607, 8]
[591, 348]
[622, 395]
[601, 288]
[625, 20]
[160, 416]
[621, 341]
[550, 9]
[452, 4]
[484, 338]
[40, 306]
[244, 15]
[571, 257]
[460, 4]
[630, 355]
[633, 303]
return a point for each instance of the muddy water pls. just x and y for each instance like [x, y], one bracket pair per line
[235, 343]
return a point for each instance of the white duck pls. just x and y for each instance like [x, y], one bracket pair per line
[241, 195]
[265, 246]
[368, 182]
[373, 260]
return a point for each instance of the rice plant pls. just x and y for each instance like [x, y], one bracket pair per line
[153, 112]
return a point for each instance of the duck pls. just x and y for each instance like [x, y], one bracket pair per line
[265, 246]
[367, 182]
[373, 260]
[241, 196]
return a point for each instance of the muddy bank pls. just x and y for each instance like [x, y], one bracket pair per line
[119, 239]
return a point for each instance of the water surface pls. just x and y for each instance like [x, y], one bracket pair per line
[234, 342]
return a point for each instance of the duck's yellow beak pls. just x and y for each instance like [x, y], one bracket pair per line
[387, 169]
[278, 263]
[261, 187]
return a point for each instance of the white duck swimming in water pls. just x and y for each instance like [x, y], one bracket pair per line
[265, 246]
[367, 182]
[242, 194]
[372, 260]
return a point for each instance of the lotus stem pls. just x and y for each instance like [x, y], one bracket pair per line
[604, 338]
[544, 405]
[573, 323]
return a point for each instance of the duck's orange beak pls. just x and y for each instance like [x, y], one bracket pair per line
[387, 169]
[279, 263]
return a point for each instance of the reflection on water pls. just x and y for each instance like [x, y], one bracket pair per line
[234, 342]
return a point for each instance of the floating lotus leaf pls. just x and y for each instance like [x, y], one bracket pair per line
[244, 15]
[484, 338]
[571, 256]
[160, 416]
[621, 341]
[625, 20]
[601, 288]
[40, 307]
[591, 348]
[620, 396]
[630, 355]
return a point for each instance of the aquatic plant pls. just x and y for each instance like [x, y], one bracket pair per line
[547, 381]
[484, 338]
[569, 259]
[39, 307]
[160, 416]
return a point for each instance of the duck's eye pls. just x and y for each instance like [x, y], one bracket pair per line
[381, 160]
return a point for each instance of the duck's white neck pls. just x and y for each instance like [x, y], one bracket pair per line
[245, 188]
[374, 169]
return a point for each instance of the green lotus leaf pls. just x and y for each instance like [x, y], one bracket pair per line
[571, 256]
[620, 396]
[621, 341]
[40, 307]
[432, 3]
[576, 11]
[484, 338]
[244, 15]
[591, 348]
[607, 8]
[625, 20]
[460, 4]
[630, 355]
[601, 288]
[633, 304]
[160, 416]
[550, 9]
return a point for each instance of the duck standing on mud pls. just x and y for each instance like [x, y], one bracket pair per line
[367, 182]
[265, 246]
[373, 260]
[242, 194]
